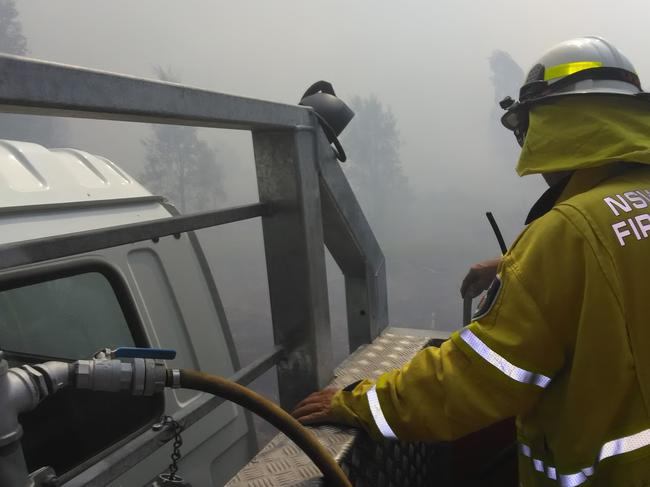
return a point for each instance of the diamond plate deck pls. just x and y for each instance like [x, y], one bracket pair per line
[367, 463]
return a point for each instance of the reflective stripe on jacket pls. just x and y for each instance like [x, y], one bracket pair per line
[565, 347]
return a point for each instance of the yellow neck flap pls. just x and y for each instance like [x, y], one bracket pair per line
[579, 132]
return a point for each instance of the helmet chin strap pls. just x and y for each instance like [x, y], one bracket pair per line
[520, 135]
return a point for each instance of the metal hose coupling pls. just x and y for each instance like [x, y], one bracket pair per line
[138, 370]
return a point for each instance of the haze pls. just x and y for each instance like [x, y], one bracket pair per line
[426, 61]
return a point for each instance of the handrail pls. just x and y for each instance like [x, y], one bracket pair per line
[353, 246]
[56, 247]
[46, 88]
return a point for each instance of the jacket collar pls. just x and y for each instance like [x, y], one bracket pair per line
[576, 183]
[547, 201]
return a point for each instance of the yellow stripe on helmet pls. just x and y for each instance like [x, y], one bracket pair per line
[562, 70]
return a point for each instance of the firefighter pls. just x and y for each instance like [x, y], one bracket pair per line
[561, 339]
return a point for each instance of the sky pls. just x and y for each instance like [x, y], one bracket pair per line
[427, 61]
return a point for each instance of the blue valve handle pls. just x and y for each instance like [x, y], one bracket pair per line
[153, 353]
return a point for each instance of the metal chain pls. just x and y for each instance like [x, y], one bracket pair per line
[176, 447]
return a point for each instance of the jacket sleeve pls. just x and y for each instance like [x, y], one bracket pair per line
[500, 364]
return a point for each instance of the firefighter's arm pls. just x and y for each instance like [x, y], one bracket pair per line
[495, 368]
[479, 277]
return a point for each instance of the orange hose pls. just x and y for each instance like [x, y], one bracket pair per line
[278, 417]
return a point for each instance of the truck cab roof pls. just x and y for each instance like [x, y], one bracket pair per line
[32, 175]
[46, 192]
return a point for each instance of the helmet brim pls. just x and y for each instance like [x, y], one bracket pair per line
[594, 91]
[518, 113]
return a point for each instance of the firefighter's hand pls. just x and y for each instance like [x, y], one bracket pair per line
[479, 277]
[316, 408]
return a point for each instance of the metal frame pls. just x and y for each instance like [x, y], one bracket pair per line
[48, 248]
[295, 259]
[80, 205]
[43, 88]
[353, 246]
[298, 178]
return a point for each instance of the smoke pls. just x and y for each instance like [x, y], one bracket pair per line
[439, 66]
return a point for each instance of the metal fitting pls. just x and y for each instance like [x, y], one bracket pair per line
[176, 378]
[28, 385]
[57, 375]
[103, 375]
[21, 390]
[143, 377]
[24, 392]
[148, 376]
[156, 376]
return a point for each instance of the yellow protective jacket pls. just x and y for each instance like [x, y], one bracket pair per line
[563, 340]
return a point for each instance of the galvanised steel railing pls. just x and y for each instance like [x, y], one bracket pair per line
[305, 203]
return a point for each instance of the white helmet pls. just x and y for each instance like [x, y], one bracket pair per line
[581, 66]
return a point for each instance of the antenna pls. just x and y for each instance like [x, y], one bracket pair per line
[467, 302]
[497, 232]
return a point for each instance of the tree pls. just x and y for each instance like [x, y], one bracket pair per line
[12, 40]
[507, 77]
[42, 130]
[374, 167]
[180, 166]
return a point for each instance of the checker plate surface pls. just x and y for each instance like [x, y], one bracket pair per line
[366, 462]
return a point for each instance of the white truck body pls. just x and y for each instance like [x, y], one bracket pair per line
[45, 193]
